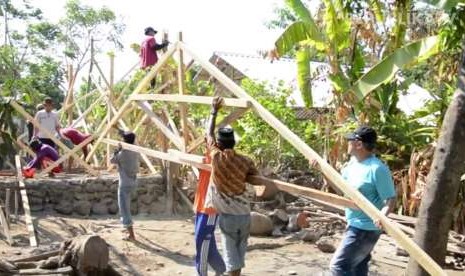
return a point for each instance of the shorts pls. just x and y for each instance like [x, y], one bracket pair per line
[235, 231]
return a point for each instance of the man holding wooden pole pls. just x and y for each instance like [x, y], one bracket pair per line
[229, 173]
[148, 51]
[371, 177]
[128, 167]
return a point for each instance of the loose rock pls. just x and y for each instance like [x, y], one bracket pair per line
[326, 245]
[260, 224]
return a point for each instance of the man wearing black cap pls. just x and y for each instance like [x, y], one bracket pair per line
[229, 173]
[371, 177]
[128, 167]
[149, 47]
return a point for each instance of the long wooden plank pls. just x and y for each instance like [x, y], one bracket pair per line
[233, 116]
[38, 257]
[156, 154]
[182, 106]
[87, 129]
[49, 135]
[189, 99]
[67, 270]
[142, 84]
[26, 206]
[6, 227]
[173, 126]
[408, 244]
[176, 140]
[88, 110]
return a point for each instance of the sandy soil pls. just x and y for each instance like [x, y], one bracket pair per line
[166, 247]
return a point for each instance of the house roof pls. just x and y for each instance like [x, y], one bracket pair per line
[285, 69]
[282, 70]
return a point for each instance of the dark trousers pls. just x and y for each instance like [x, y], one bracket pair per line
[48, 142]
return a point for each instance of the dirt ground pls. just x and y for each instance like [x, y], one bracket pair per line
[165, 246]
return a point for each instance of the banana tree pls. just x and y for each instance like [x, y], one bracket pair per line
[305, 36]
[337, 33]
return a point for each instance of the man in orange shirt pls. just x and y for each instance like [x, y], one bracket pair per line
[205, 222]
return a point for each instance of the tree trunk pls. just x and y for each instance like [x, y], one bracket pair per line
[87, 254]
[435, 216]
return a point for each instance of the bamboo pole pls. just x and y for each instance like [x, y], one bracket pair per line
[87, 129]
[110, 100]
[189, 99]
[161, 126]
[145, 81]
[182, 106]
[70, 101]
[87, 111]
[415, 251]
[47, 133]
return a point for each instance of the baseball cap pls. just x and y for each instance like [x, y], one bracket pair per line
[365, 134]
[225, 134]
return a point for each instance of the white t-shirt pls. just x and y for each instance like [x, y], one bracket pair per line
[47, 120]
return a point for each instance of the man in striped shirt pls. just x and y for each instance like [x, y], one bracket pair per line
[229, 173]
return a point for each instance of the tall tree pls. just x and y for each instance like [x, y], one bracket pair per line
[443, 183]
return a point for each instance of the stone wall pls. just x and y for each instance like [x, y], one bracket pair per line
[90, 195]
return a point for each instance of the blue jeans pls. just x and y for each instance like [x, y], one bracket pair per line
[124, 204]
[235, 231]
[354, 253]
[205, 244]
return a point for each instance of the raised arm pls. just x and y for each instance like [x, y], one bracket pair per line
[216, 105]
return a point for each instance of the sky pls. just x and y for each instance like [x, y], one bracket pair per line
[207, 25]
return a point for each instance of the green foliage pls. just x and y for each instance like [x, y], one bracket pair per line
[261, 142]
[385, 70]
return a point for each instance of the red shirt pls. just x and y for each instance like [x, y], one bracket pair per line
[74, 135]
[148, 54]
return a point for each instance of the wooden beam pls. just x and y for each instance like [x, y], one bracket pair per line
[142, 84]
[65, 107]
[182, 106]
[26, 207]
[6, 227]
[189, 99]
[156, 154]
[87, 129]
[170, 121]
[172, 171]
[38, 257]
[159, 123]
[368, 208]
[277, 184]
[184, 198]
[233, 116]
[24, 147]
[66, 156]
[87, 111]
[47, 133]
[144, 157]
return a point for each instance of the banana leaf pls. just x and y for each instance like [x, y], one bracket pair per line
[445, 5]
[302, 12]
[385, 70]
[303, 76]
[376, 7]
[298, 32]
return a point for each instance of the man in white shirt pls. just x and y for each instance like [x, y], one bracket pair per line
[48, 120]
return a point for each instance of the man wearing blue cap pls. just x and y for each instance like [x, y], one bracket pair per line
[371, 177]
